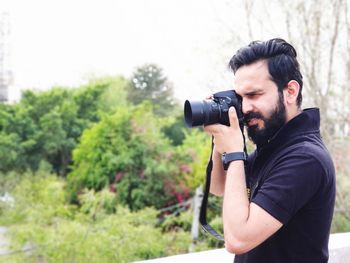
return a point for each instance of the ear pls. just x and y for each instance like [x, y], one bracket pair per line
[291, 92]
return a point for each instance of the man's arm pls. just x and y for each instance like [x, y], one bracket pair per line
[246, 225]
[218, 175]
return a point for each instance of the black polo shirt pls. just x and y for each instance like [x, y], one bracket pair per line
[293, 179]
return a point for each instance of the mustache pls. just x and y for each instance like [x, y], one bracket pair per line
[252, 115]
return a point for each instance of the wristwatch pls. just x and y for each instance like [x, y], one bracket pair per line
[227, 158]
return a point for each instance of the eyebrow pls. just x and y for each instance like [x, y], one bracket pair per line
[253, 92]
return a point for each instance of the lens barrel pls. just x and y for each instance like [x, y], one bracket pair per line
[198, 113]
[205, 112]
[194, 113]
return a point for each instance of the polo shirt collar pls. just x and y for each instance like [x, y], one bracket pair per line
[308, 121]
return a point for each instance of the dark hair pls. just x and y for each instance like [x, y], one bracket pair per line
[281, 60]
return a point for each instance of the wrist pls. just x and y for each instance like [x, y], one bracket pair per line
[227, 158]
[237, 147]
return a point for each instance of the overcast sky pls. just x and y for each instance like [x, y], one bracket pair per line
[66, 42]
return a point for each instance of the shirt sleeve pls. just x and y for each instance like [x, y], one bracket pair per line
[289, 185]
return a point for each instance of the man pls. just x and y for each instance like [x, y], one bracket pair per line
[287, 214]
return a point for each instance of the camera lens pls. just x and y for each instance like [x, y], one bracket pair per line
[207, 112]
[199, 113]
[194, 113]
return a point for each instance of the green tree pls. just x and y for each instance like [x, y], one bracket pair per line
[100, 95]
[10, 151]
[194, 153]
[149, 83]
[46, 126]
[19, 138]
[175, 128]
[54, 115]
[127, 152]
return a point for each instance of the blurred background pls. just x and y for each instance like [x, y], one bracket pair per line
[96, 163]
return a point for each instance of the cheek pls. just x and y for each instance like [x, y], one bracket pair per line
[268, 106]
[263, 109]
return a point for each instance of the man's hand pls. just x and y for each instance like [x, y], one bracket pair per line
[227, 138]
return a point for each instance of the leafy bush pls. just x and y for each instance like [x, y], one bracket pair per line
[194, 153]
[127, 152]
[98, 231]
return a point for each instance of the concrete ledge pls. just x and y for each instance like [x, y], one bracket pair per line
[339, 248]
[339, 252]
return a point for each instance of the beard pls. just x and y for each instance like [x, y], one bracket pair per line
[272, 123]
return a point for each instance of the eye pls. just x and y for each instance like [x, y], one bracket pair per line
[251, 95]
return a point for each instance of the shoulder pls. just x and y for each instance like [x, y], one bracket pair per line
[293, 177]
[305, 164]
[308, 152]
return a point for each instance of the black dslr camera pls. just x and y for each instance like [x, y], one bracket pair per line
[198, 113]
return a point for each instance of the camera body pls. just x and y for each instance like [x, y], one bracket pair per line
[205, 112]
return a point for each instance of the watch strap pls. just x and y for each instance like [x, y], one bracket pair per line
[227, 158]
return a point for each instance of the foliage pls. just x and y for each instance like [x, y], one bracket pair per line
[149, 84]
[183, 221]
[46, 126]
[100, 95]
[341, 156]
[174, 129]
[10, 153]
[127, 152]
[19, 136]
[177, 221]
[57, 232]
[194, 152]
[341, 222]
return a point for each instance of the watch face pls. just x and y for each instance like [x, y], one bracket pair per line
[223, 158]
[224, 162]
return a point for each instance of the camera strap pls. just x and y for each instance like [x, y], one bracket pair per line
[203, 210]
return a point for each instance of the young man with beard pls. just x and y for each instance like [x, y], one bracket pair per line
[287, 215]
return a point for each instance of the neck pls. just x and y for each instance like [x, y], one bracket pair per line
[292, 113]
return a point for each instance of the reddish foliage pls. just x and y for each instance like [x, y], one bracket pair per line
[113, 188]
[185, 168]
[118, 176]
[142, 174]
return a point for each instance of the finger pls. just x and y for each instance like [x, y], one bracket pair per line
[207, 129]
[211, 129]
[232, 116]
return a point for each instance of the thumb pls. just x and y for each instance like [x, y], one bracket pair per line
[232, 116]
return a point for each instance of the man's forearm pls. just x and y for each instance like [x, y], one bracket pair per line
[218, 176]
[235, 206]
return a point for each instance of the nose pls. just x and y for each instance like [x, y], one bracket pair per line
[246, 106]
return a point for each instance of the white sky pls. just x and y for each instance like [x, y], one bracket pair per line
[66, 42]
